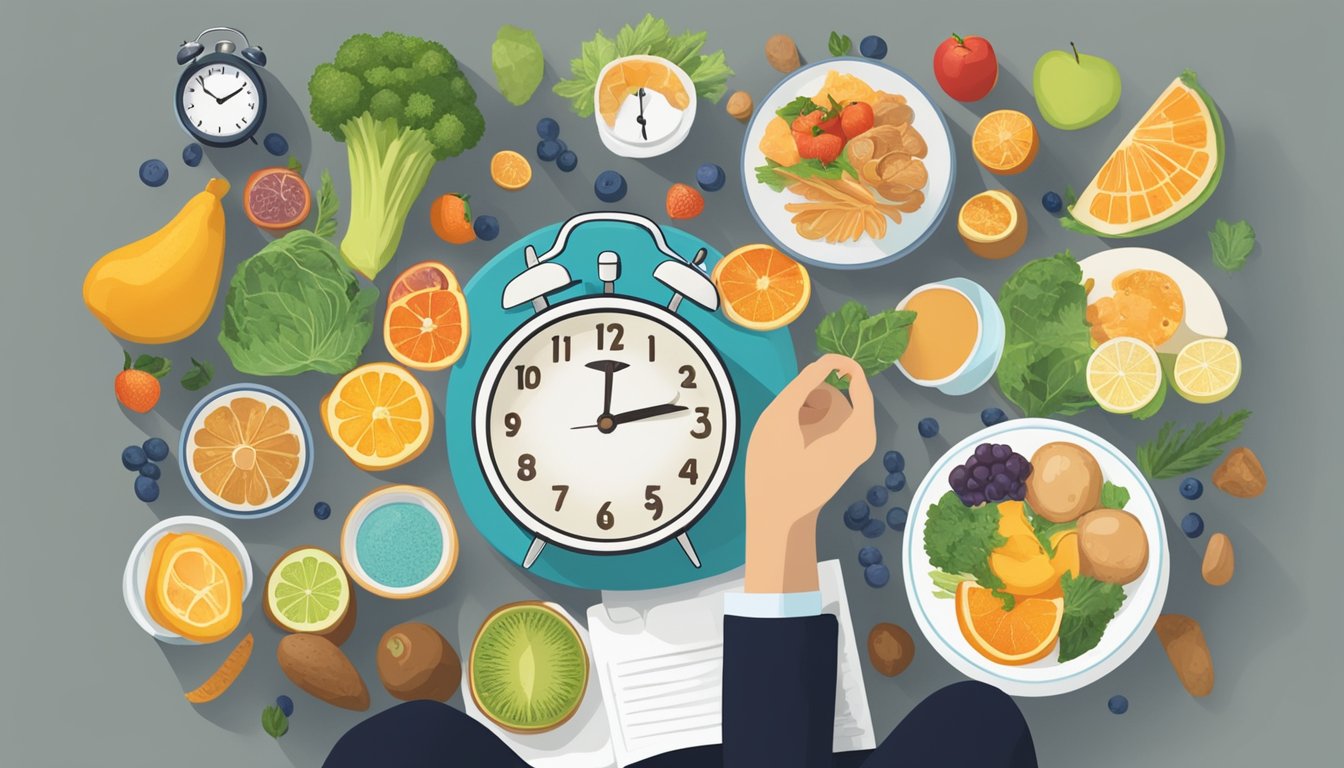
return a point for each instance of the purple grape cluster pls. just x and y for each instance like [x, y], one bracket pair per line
[993, 473]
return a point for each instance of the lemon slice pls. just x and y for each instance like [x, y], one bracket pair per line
[1124, 375]
[1207, 370]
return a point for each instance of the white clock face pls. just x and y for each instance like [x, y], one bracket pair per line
[646, 116]
[607, 424]
[220, 101]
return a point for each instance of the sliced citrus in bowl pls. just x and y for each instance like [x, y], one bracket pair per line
[993, 224]
[308, 591]
[510, 170]
[1005, 142]
[1207, 370]
[380, 415]
[195, 587]
[427, 330]
[1025, 634]
[761, 288]
[1124, 375]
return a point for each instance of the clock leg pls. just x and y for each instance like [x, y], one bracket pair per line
[534, 551]
[685, 541]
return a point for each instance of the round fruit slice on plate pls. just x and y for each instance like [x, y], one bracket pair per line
[1124, 375]
[761, 288]
[1014, 637]
[380, 415]
[1207, 370]
[277, 199]
[308, 591]
[993, 224]
[528, 668]
[1163, 170]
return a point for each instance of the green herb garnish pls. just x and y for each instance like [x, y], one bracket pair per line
[873, 341]
[274, 722]
[839, 44]
[325, 226]
[811, 168]
[1114, 496]
[158, 367]
[1177, 452]
[1044, 529]
[1089, 605]
[199, 376]
[1231, 243]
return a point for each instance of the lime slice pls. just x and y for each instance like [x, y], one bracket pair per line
[1123, 375]
[1207, 370]
[307, 591]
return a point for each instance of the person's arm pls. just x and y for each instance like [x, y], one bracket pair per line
[779, 651]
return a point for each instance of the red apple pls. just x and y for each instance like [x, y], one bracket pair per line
[966, 68]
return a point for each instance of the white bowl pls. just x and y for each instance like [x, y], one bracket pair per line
[981, 363]
[394, 494]
[661, 146]
[135, 578]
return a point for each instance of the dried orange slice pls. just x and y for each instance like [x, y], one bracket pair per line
[1163, 170]
[1005, 142]
[510, 170]
[219, 682]
[761, 288]
[427, 330]
[195, 587]
[993, 224]
[1025, 634]
[379, 415]
[247, 452]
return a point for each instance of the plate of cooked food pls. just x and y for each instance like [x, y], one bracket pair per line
[848, 164]
[1035, 557]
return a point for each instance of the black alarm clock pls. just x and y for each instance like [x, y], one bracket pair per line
[220, 98]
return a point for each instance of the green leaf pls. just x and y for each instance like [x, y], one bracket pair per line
[810, 168]
[641, 38]
[1047, 341]
[127, 365]
[274, 722]
[199, 376]
[1150, 410]
[158, 367]
[518, 63]
[1089, 605]
[327, 205]
[873, 341]
[958, 539]
[1231, 243]
[294, 165]
[839, 44]
[947, 583]
[1114, 496]
[1044, 529]
[793, 109]
[1179, 451]
[710, 76]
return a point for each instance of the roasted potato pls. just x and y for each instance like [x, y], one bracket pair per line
[1112, 546]
[1065, 482]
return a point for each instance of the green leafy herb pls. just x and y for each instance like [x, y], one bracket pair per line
[199, 376]
[874, 341]
[799, 106]
[274, 722]
[1044, 529]
[327, 204]
[1089, 605]
[1114, 496]
[650, 37]
[839, 44]
[1047, 342]
[518, 63]
[946, 583]
[1180, 451]
[294, 165]
[958, 538]
[158, 367]
[1232, 243]
[811, 168]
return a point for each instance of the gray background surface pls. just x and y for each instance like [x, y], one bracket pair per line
[87, 95]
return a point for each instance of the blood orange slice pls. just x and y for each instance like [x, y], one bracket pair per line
[277, 198]
[427, 330]
[422, 276]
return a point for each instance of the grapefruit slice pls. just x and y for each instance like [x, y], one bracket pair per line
[1166, 167]
[277, 199]
[422, 276]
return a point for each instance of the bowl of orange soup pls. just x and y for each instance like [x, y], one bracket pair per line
[957, 337]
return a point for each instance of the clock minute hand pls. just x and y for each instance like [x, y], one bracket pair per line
[230, 96]
[640, 414]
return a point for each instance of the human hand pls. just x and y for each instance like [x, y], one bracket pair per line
[805, 445]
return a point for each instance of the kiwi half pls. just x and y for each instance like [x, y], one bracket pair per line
[528, 668]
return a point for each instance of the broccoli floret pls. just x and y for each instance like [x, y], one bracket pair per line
[391, 98]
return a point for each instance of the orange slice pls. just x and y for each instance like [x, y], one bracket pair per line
[1005, 142]
[380, 415]
[993, 224]
[510, 170]
[195, 587]
[1025, 634]
[427, 330]
[1163, 170]
[246, 452]
[761, 288]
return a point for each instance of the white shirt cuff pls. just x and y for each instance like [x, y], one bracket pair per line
[760, 605]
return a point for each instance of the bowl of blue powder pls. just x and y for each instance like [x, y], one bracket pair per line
[399, 542]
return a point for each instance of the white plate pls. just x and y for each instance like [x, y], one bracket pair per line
[136, 576]
[1143, 597]
[768, 206]
[1203, 312]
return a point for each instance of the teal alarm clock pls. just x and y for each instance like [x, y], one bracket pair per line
[598, 419]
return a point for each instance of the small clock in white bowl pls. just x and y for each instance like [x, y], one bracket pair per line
[644, 106]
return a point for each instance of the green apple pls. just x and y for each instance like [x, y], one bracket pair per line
[1074, 90]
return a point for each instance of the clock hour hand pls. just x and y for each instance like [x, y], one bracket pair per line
[230, 96]
[643, 122]
[609, 369]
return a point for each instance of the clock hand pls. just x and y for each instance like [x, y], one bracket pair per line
[638, 414]
[230, 96]
[609, 369]
[201, 80]
[643, 124]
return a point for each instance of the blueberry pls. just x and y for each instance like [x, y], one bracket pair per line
[321, 510]
[1191, 488]
[133, 457]
[710, 177]
[893, 461]
[1118, 704]
[151, 470]
[877, 575]
[877, 495]
[1052, 202]
[856, 516]
[896, 517]
[928, 427]
[609, 186]
[156, 448]
[870, 556]
[285, 704]
[563, 145]
[874, 528]
[153, 173]
[895, 481]
[275, 144]
[873, 47]
[567, 161]
[1193, 525]
[991, 416]
[548, 128]
[191, 154]
[146, 488]
[548, 149]
[487, 227]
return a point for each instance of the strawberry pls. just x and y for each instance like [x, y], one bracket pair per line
[137, 386]
[855, 119]
[684, 202]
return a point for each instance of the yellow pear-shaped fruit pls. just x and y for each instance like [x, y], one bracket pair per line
[161, 288]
